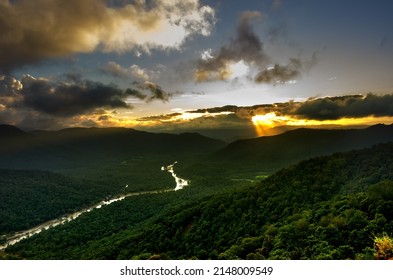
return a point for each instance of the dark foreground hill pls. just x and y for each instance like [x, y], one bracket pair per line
[328, 207]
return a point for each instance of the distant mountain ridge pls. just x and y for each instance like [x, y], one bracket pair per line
[9, 130]
[19, 149]
[274, 152]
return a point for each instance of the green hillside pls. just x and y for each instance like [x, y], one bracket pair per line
[28, 198]
[251, 160]
[329, 207]
[86, 148]
[110, 157]
[271, 153]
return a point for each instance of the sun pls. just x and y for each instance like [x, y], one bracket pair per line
[263, 123]
[269, 120]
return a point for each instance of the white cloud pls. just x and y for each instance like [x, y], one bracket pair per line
[207, 54]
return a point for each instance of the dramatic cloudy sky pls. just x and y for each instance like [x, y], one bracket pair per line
[173, 65]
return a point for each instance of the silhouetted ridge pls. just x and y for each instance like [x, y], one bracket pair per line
[274, 152]
[83, 146]
[13, 139]
[11, 131]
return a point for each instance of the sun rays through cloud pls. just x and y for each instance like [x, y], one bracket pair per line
[271, 120]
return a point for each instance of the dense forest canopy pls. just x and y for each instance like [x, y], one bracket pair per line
[330, 207]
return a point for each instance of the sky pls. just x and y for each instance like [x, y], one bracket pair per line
[177, 65]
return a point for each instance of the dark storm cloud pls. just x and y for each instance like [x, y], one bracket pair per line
[246, 46]
[53, 104]
[151, 92]
[355, 106]
[71, 95]
[68, 99]
[326, 108]
[165, 117]
[285, 73]
[136, 93]
[279, 73]
[227, 108]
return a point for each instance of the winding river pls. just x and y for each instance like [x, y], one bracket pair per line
[15, 238]
[180, 182]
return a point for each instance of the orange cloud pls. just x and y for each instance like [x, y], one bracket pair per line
[263, 123]
[31, 31]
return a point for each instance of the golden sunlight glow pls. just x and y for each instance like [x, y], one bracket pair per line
[174, 119]
[270, 120]
[271, 123]
[187, 116]
[265, 122]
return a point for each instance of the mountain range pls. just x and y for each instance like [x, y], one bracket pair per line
[67, 148]
[70, 147]
[271, 153]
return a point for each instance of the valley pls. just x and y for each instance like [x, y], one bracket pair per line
[11, 240]
[261, 198]
[15, 238]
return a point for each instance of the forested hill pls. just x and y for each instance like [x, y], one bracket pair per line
[55, 150]
[329, 207]
[323, 208]
[271, 153]
[31, 197]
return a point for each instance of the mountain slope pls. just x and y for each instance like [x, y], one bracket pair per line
[28, 198]
[45, 174]
[122, 140]
[13, 138]
[89, 147]
[10, 131]
[323, 208]
[273, 152]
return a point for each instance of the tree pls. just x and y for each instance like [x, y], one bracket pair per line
[384, 247]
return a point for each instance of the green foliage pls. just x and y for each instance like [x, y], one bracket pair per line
[49, 174]
[28, 198]
[274, 152]
[383, 247]
[322, 208]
